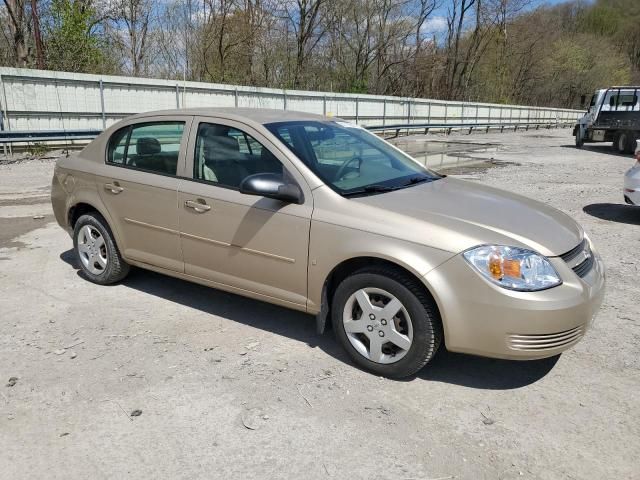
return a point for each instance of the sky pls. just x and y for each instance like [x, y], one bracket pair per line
[437, 23]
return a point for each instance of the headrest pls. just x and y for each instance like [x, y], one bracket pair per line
[211, 130]
[221, 143]
[148, 146]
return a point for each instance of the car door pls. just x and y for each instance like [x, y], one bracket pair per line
[138, 185]
[243, 243]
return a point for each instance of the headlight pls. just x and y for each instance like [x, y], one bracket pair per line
[513, 268]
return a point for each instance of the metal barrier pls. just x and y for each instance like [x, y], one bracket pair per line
[28, 136]
[448, 127]
[36, 100]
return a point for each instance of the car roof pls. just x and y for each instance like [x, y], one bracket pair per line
[258, 115]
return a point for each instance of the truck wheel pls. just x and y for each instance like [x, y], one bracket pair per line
[623, 142]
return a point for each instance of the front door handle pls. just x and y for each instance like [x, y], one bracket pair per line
[197, 206]
[113, 187]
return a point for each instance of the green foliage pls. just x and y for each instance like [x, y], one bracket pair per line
[586, 63]
[37, 150]
[72, 43]
[601, 20]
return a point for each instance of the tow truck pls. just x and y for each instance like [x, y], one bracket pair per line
[613, 116]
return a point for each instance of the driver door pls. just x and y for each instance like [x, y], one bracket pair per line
[242, 243]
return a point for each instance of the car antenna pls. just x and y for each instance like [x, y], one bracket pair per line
[64, 130]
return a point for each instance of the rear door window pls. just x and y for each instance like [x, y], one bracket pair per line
[153, 147]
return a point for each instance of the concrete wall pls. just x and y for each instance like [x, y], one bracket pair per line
[45, 100]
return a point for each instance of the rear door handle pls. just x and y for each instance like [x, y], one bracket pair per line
[197, 206]
[113, 187]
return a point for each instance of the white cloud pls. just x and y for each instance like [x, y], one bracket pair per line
[435, 24]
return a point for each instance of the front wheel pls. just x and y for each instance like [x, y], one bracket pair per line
[386, 321]
[96, 250]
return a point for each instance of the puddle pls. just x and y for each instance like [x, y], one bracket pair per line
[14, 227]
[476, 167]
[450, 159]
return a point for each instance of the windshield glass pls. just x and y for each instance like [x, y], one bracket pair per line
[349, 159]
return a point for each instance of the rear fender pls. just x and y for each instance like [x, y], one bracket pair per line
[83, 190]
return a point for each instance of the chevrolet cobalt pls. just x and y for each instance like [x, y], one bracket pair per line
[317, 214]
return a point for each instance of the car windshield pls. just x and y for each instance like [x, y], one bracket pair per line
[350, 159]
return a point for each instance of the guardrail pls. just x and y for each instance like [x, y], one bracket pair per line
[28, 136]
[44, 136]
[448, 127]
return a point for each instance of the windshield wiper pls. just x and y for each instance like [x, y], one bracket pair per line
[374, 188]
[418, 179]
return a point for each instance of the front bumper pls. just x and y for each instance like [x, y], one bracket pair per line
[631, 189]
[484, 319]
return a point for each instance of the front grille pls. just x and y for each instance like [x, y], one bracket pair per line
[580, 259]
[585, 267]
[545, 341]
[574, 252]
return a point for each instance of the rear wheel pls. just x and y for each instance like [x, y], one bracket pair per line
[624, 142]
[386, 321]
[96, 250]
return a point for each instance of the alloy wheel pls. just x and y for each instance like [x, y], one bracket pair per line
[92, 249]
[378, 325]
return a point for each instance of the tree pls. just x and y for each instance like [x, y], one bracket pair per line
[19, 30]
[72, 41]
[306, 17]
[135, 15]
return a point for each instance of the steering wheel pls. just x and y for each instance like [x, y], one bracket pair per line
[344, 166]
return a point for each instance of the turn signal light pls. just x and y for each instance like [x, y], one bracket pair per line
[500, 267]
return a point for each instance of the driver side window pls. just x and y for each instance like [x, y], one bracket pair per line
[225, 156]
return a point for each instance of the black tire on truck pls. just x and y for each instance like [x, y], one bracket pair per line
[579, 138]
[624, 142]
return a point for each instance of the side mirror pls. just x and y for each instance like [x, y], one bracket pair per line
[271, 185]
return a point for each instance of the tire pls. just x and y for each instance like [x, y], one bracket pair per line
[579, 139]
[100, 261]
[623, 142]
[418, 320]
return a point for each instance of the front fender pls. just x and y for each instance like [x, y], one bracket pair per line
[353, 244]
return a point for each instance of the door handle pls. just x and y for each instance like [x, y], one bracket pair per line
[197, 206]
[113, 187]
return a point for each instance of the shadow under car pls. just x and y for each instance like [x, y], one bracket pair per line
[614, 212]
[447, 367]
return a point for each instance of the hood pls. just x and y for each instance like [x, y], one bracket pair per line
[455, 215]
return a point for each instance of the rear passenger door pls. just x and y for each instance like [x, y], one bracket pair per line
[243, 243]
[138, 185]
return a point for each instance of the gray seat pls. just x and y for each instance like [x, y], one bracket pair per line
[147, 150]
[222, 156]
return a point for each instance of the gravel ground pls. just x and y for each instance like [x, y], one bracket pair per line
[159, 378]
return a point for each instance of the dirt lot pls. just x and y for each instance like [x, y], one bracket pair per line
[233, 388]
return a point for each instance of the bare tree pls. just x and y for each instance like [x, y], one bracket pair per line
[19, 29]
[306, 18]
[135, 15]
